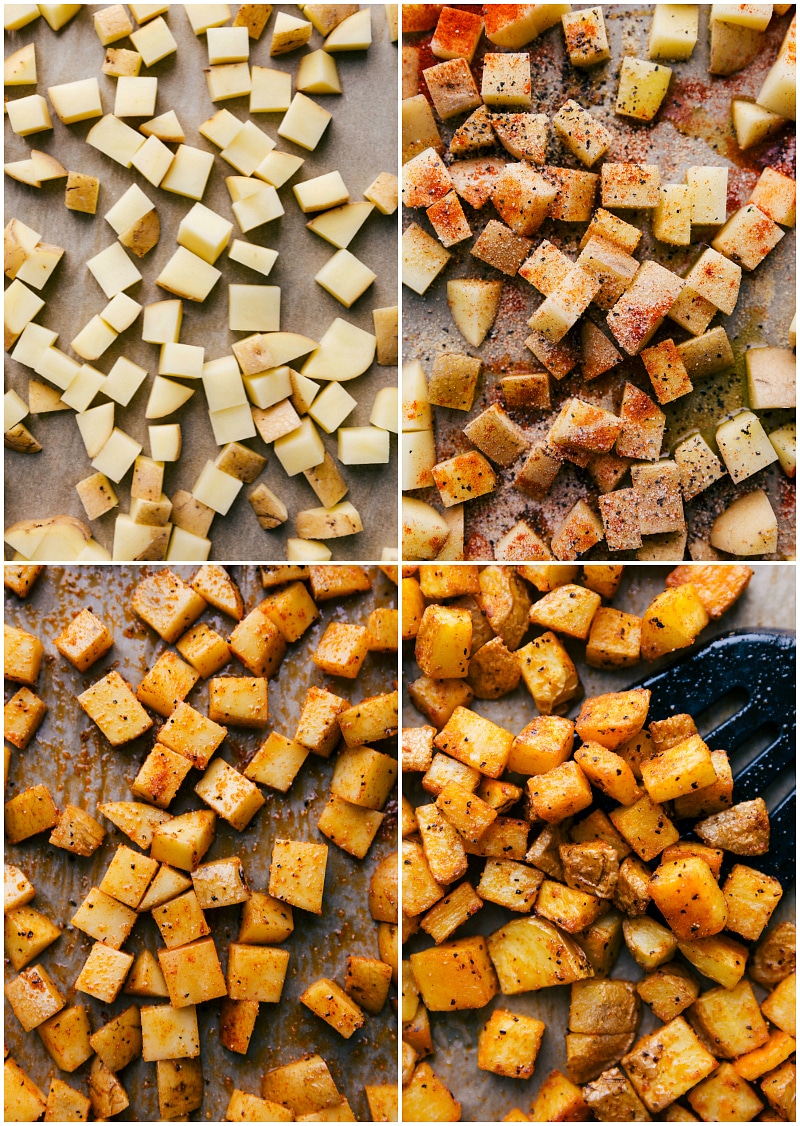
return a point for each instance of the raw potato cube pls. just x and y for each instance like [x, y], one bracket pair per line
[641, 309]
[29, 115]
[748, 237]
[771, 378]
[463, 477]
[628, 186]
[119, 1041]
[104, 972]
[127, 876]
[498, 246]
[673, 32]
[584, 136]
[169, 1033]
[297, 873]
[506, 80]
[642, 88]
[698, 465]
[453, 91]
[580, 531]
[776, 195]
[667, 1063]
[744, 446]
[672, 219]
[523, 198]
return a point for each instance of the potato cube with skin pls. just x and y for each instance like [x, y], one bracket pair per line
[666, 1064]
[750, 898]
[692, 312]
[297, 873]
[668, 990]
[77, 832]
[31, 812]
[658, 498]
[256, 973]
[169, 1033]
[192, 973]
[104, 972]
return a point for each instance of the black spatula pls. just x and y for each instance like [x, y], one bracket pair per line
[759, 666]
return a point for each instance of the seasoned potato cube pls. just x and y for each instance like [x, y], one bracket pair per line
[417, 748]
[496, 435]
[33, 997]
[192, 973]
[256, 973]
[21, 717]
[569, 609]
[748, 237]
[22, 656]
[192, 735]
[452, 384]
[297, 873]
[649, 942]
[668, 375]
[160, 776]
[258, 643]
[508, 1044]
[453, 91]
[420, 889]
[506, 80]
[548, 672]
[342, 650]
[31, 812]
[64, 1104]
[183, 841]
[493, 670]
[570, 909]
[240, 701]
[730, 1020]
[293, 610]
[26, 933]
[114, 708]
[66, 1037]
[349, 826]
[780, 1006]
[367, 982]
[628, 186]
[84, 640]
[77, 831]
[167, 604]
[476, 741]
[632, 893]
[443, 641]
[375, 718]
[510, 884]
[689, 897]
[642, 87]
[237, 1020]
[718, 957]
[614, 639]
[128, 875]
[382, 626]
[104, 918]
[532, 953]
[456, 975]
[145, 978]
[220, 883]
[668, 990]
[672, 621]
[438, 699]
[17, 888]
[277, 762]
[680, 769]
[641, 309]
[725, 1096]
[522, 198]
[614, 718]
[645, 826]
[426, 1097]
[560, 792]
[329, 1002]
[318, 729]
[231, 795]
[774, 957]
[364, 777]
[666, 1064]
[464, 812]
[265, 920]
[169, 1033]
[104, 972]
[608, 771]
[444, 770]
[750, 897]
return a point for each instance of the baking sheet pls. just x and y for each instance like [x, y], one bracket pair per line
[692, 127]
[768, 601]
[73, 759]
[360, 141]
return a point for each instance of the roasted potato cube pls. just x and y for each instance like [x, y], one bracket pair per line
[681, 769]
[672, 621]
[77, 831]
[104, 972]
[507, 837]
[375, 718]
[367, 982]
[493, 671]
[725, 1097]
[614, 718]
[569, 609]
[689, 897]
[510, 884]
[111, 704]
[666, 1064]
[683, 849]
[318, 728]
[192, 972]
[167, 684]
[508, 1044]
[717, 587]
[104, 918]
[119, 1041]
[22, 656]
[329, 1002]
[426, 1098]
[349, 826]
[236, 1023]
[220, 883]
[774, 957]
[571, 910]
[26, 932]
[612, 1098]
[167, 604]
[590, 866]
[645, 827]
[84, 640]
[730, 1020]
[545, 743]
[64, 1104]
[382, 626]
[597, 827]
[468, 814]
[297, 873]
[532, 953]
[258, 642]
[443, 848]
[31, 812]
[608, 771]
[160, 776]
[438, 699]
[719, 957]
[444, 770]
[548, 672]
[456, 975]
[231, 795]
[476, 741]
[668, 990]
[560, 792]
[305, 1086]
[169, 1033]
[614, 639]
[342, 650]
[743, 829]
[20, 577]
[183, 841]
[443, 642]
[240, 701]
[204, 649]
[780, 1006]
[632, 893]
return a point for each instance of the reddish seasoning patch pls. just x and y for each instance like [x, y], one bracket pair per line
[478, 547]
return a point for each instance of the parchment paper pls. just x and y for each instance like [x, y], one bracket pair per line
[768, 601]
[693, 126]
[74, 760]
[360, 141]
